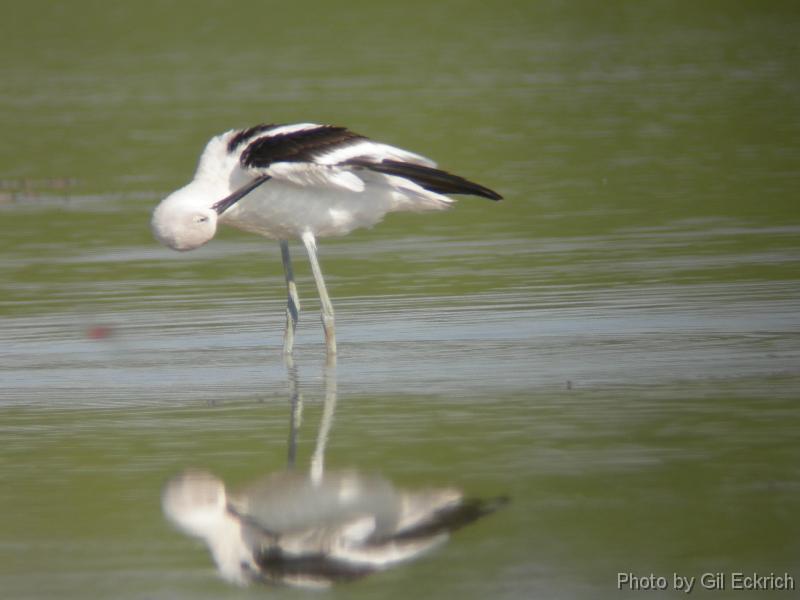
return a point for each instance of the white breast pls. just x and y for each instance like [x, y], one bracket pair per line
[281, 210]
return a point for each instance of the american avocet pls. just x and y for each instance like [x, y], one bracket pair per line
[302, 181]
[287, 529]
[316, 528]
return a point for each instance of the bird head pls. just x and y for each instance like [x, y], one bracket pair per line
[181, 223]
[195, 501]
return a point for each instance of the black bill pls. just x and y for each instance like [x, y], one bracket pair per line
[229, 201]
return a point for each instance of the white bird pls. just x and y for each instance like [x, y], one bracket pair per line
[302, 181]
[288, 529]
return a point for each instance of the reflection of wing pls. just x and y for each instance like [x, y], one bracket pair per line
[329, 156]
[288, 501]
[287, 529]
[448, 517]
[346, 526]
[341, 560]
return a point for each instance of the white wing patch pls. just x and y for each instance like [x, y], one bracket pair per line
[311, 174]
[369, 150]
[406, 191]
[284, 129]
[320, 156]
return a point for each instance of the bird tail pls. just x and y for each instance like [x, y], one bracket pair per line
[453, 517]
[429, 178]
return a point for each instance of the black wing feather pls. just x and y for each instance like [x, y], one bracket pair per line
[247, 134]
[429, 178]
[296, 146]
[277, 566]
[453, 518]
[305, 145]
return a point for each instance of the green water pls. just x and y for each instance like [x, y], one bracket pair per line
[616, 346]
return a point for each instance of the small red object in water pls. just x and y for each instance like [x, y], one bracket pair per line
[98, 332]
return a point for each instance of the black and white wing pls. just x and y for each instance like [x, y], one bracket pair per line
[307, 154]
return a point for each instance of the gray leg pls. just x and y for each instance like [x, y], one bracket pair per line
[325, 424]
[327, 307]
[296, 404]
[292, 302]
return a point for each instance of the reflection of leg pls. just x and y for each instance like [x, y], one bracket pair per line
[296, 404]
[327, 307]
[318, 458]
[292, 302]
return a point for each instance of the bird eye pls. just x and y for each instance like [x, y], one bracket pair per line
[200, 219]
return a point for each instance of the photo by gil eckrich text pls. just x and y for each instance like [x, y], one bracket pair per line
[715, 581]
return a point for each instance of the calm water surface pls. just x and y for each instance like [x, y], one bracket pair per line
[616, 346]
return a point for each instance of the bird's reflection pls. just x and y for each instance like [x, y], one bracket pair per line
[314, 529]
